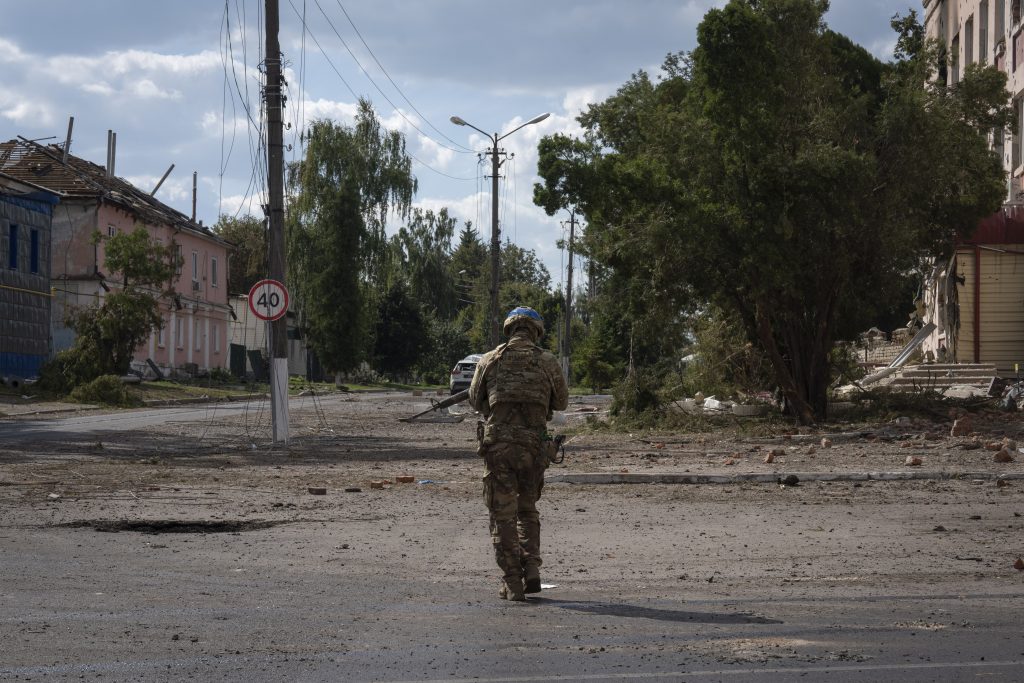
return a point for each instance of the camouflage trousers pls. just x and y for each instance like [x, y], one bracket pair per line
[512, 485]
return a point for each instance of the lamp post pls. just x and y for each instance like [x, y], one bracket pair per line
[495, 325]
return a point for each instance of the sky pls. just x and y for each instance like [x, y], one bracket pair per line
[178, 82]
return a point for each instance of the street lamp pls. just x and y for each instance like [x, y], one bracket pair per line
[495, 233]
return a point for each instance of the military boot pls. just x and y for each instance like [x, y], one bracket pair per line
[531, 579]
[512, 589]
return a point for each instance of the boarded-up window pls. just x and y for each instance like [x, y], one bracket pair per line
[33, 255]
[12, 247]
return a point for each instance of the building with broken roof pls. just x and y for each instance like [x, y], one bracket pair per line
[194, 335]
[976, 298]
[26, 211]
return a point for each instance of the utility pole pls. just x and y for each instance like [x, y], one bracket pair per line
[568, 299]
[495, 326]
[275, 189]
[494, 331]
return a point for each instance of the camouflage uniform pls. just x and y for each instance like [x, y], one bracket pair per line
[516, 387]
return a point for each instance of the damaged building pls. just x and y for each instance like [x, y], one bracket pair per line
[975, 299]
[26, 211]
[194, 335]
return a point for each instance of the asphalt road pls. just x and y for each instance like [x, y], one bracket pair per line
[131, 562]
[293, 603]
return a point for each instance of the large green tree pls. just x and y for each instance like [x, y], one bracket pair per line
[786, 175]
[423, 253]
[248, 262]
[351, 180]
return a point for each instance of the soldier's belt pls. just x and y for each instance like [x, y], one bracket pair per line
[501, 433]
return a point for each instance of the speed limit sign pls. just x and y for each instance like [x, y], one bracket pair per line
[268, 299]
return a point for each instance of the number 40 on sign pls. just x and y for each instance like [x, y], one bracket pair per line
[268, 299]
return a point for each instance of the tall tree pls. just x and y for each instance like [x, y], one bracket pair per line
[424, 251]
[783, 173]
[248, 262]
[351, 179]
[402, 333]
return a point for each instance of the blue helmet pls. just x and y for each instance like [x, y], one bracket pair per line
[523, 314]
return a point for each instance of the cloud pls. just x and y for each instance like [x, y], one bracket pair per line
[241, 205]
[10, 53]
[147, 89]
[342, 112]
[23, 109]
[99, 88]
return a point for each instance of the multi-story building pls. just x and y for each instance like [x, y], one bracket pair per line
[25, 213]
[94, 202]
[976, 299]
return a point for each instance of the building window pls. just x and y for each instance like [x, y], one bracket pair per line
[12, 246]
[983, 32]
[195, 266]
[179, 333]
[111, 231]
[178, 259]
[1015, 11]
[33, 254]
[216, 338]
[969, 42]
[161, 336]
[213, 271]
[954, 56]
[196, 336]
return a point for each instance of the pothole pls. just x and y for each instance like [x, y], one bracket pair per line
[172, 526]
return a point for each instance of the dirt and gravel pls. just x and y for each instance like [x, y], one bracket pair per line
[205, 513]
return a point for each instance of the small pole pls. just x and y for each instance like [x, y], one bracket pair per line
[161, 182]
[195, 175]
[568, 299]
[67, 140]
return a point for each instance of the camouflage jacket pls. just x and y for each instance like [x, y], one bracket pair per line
[518, 384]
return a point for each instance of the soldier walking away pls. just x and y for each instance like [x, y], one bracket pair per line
[516, 387]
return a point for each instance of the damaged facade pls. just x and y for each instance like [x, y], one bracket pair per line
[194, 335]
[25, 214]
[976, 298]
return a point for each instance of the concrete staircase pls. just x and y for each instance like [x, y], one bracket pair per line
[941, 376]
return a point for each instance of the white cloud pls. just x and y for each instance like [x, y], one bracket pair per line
[10, 53]
[342, 112]
[25, 109]
[147, 89]
[433, 153]
[98, 88]
[238, 204]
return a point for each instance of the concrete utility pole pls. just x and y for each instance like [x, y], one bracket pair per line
[494, 332]
[275, 189]
[568, 299]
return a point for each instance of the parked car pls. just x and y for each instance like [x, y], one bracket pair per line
[462, 373]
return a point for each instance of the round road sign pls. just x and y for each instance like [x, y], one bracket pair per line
[268, 299]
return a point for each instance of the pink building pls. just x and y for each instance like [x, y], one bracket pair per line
[194, 337]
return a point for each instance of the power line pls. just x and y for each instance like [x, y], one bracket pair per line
[306, 28]
[464, 150]
[391, 80]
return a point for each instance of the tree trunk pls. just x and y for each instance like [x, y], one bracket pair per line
[796, 399]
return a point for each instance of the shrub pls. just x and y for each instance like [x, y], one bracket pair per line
[105, 389]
